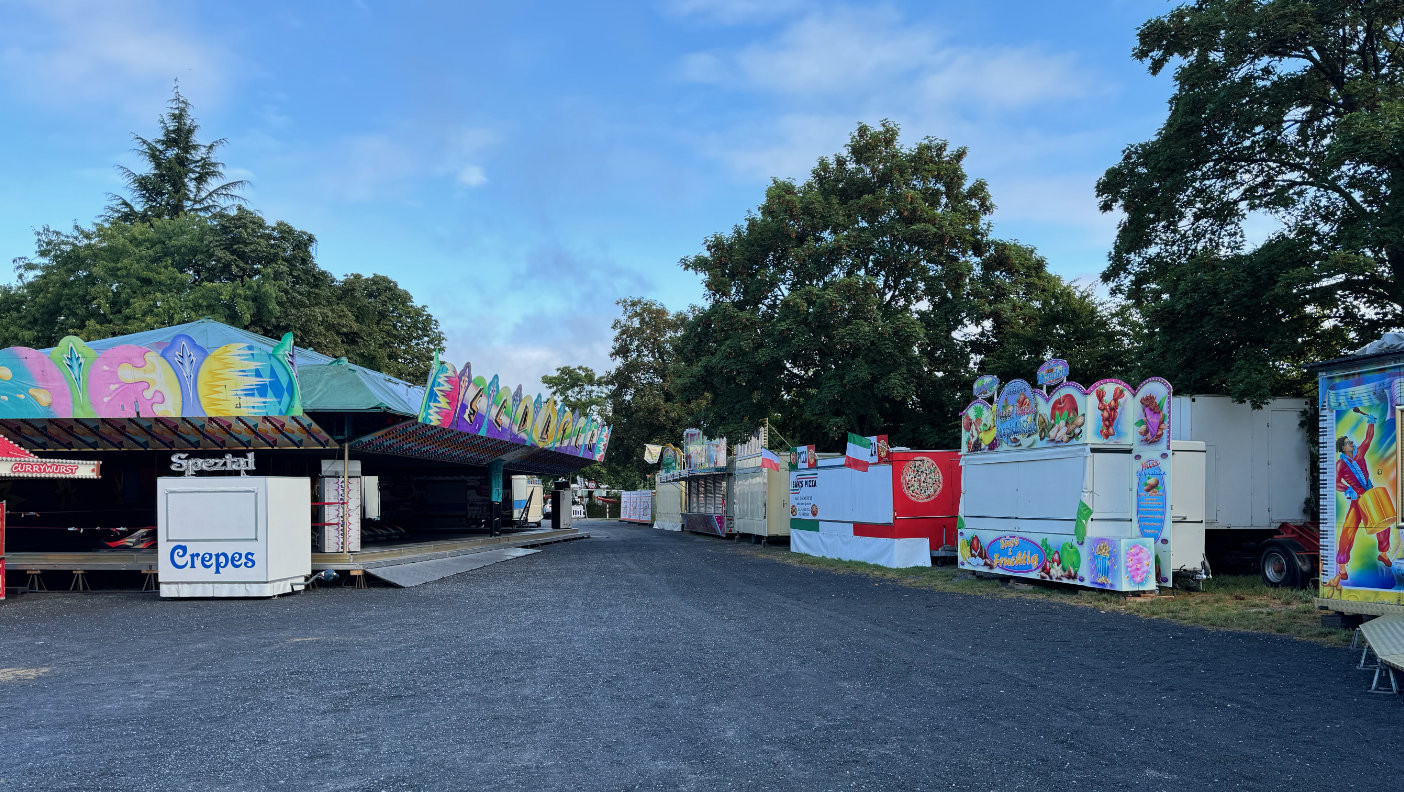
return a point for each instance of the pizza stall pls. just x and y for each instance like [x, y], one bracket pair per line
[892, 507]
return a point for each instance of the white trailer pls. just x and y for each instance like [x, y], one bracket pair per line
[1257, 477]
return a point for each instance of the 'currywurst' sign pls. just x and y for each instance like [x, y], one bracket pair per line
[183, 463]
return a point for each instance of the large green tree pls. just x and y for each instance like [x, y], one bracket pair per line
[835, 306]
[117, 278]
[1287, 115]
[579, 389]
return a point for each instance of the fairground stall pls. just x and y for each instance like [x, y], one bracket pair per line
[705, 484]
[894, 507]
[1362, 405]
[1079, 485]
[761, 503]
[391, 469]
[669, 492]
[17, 463]
[636, 506]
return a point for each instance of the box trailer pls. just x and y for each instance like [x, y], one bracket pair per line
[761, 505]
[636, 506]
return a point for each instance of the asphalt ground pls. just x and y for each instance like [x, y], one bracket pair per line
[640, 659]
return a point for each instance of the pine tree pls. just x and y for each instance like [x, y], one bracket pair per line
[183, 177]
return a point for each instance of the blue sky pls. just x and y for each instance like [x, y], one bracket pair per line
[520, 166]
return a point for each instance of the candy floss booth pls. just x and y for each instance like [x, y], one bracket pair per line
[1362, 404]
[1079, 485]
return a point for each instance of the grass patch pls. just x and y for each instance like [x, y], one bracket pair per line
[1228, 602]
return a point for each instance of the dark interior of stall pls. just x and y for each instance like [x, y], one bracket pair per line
[418, 500]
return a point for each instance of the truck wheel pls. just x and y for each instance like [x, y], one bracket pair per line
[1278, 565]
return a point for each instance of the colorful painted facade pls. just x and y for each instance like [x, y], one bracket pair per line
[1039, 504]
[176, 378]
[484, 406]
[1362, 405]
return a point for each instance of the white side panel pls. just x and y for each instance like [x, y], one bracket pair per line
[883, 552]
[1106, 490]
[1288, 454]
[750, 501]
[1038, 484]
[289, 519]
[370, 497]
[1255, 460]
[668, 505]
[212, 515]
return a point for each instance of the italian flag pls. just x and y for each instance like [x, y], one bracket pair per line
[860, 450]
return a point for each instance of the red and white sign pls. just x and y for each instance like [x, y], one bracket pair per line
[48, 468]
[18, 462]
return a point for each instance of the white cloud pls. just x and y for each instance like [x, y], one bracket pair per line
[389, 164]
[819, 75]
[124, 53]
[565, 321]
[472, 176]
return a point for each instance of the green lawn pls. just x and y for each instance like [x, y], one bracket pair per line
[1228, 602]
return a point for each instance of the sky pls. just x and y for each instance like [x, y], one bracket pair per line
[520, 166]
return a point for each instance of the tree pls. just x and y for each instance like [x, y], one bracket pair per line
[117, 278]
[388, 330]
[834, 307]
[179, 251]
[1027, 315]
[1288, 113]
[578, 388]
[643, 399]
[183, 175]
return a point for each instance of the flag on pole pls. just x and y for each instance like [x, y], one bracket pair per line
[651, 452]
[769, 460]
[858, 452]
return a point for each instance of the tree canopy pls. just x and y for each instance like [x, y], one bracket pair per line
[1287, 115]
[834, 306]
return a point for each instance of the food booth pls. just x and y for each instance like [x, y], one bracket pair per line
[894, 507]
[1079, 485]
[761, 492]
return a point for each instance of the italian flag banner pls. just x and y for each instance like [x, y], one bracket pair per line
[860, 450]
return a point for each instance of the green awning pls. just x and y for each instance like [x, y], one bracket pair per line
[339, 386]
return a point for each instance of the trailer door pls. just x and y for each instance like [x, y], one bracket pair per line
[1287, 480]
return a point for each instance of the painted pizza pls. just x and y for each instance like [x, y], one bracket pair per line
[921, 479]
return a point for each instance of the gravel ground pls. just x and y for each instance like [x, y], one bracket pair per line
[640, 659]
